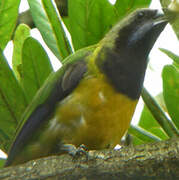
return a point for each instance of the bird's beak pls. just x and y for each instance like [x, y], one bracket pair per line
[160, 21]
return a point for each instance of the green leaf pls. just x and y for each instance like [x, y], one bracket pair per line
[171, 10]
[160, 100]
[12, 103]
[175, 26]
[2, 161]
[142, 134]
[136, 141]
[159, 115]
[8, 17]
[171, 55]
[21, 34]
[148, 123]
[170, 77]
[58, 26]
[42, 23]
[36, 66]
[89, 20]
[126, 6]
[165, 3]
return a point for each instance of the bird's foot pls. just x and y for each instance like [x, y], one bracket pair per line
[74, 151]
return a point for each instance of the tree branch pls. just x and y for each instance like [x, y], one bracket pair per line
[26, 18]
[158, 161]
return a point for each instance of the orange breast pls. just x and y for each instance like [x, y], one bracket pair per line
[94, 114]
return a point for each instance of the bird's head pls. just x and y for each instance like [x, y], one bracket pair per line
[126, 47]
[139, 30]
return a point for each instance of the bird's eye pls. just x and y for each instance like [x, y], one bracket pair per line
[141, 15]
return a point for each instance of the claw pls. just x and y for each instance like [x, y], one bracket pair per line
[74, 151]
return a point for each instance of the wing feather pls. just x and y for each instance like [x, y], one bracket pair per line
[63, 86]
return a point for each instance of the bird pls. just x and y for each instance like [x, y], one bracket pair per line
[92, 98]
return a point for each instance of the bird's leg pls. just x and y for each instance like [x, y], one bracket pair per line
[73, 150]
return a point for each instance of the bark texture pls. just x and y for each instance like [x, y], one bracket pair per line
[158, 161]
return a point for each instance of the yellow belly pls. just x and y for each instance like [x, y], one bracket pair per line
[94, 114]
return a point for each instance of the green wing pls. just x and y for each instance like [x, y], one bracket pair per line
[59, 85]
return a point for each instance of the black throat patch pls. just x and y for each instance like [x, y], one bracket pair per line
[123, 70]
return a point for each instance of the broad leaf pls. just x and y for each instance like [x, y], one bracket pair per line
[170, 77]
[89, 20]
[124, 7]
[8, 17]
[171, 9]
[36, 67]
[136, 141]
[142, 134]
[12, 103]
[58, 28]
[21, 34]
[42, 23]
[148, 123]
[171, 55]
[2, 161]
